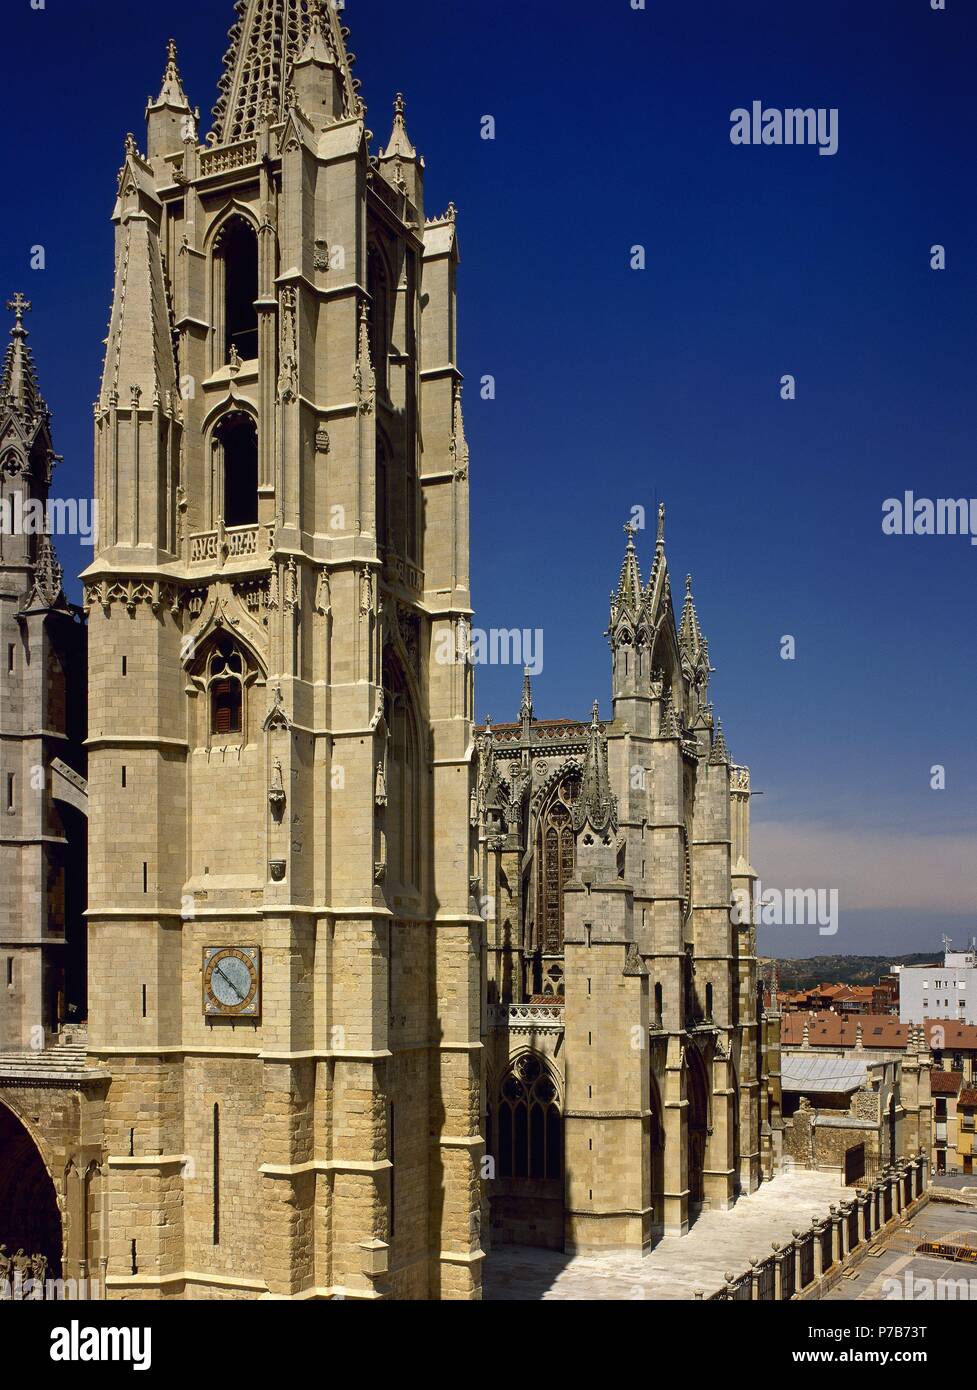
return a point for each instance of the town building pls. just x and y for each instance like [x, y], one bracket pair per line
[940, 991]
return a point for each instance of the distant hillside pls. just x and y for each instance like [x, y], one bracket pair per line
[843, 970]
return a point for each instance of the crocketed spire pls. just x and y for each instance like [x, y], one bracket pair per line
[689, 632]
[48, 576]
[269, 37]
[172, 93]
[719, 753]
[659, 591]
[596, 805]
[628, 595]
[18, 382]
[399, 145]
[140, 366]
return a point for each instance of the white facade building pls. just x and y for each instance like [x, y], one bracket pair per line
[940, 991]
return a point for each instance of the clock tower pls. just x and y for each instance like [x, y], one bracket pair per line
[284, 946]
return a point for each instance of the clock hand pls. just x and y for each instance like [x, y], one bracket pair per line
[230, 982]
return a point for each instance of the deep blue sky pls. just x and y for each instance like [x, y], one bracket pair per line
[616, 388]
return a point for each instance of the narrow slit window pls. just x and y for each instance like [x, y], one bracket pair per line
[392, 1146]
[10, 791]
[217, 1175]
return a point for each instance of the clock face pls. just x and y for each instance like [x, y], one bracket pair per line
[231, 981]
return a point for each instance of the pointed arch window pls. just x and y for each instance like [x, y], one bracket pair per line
[403, 779]
[383, 498]
[529, 1123]
[236, 439]
[226, 674]
[555, 863]
[378, 288]
[236, 291]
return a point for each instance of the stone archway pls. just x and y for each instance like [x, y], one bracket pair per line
[30, 1218]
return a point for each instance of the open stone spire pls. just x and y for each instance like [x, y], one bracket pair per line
[269, 38]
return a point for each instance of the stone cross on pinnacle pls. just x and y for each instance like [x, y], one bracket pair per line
[19, 306]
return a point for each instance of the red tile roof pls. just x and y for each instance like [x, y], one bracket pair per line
[945, 1083]
[968, 1100]
[829, 1029]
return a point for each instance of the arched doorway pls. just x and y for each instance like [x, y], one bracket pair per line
[29, 1215]
[526, 1139]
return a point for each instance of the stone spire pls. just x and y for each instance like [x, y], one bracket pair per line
[399, 145]
[271, 39]
[596, 806]
[18, 383]
[140, 366]
[659, 591]
[628, 596]
[402, 166]
[170, 119]
[172, 93]
[689, 632]
[48, 577]
[526, 706]
[719, 753]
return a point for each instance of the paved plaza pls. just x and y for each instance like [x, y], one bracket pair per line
[678, 1266]
[917, 1276]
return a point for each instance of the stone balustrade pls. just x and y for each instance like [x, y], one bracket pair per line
[830, 1241]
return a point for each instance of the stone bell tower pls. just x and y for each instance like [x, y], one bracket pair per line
[42, 698]
[284, 947]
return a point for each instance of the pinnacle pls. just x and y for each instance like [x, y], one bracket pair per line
[596, 805]
[526, 707]
[399, 145]
[629, 588]
[690, 634]
[18, 381]
[172, 93]
[719, 753]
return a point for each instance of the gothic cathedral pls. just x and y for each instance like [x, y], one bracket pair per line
[369, 990]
